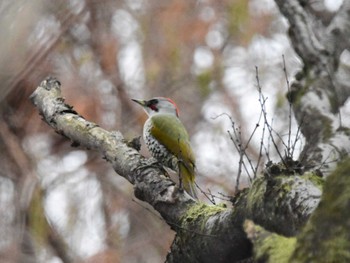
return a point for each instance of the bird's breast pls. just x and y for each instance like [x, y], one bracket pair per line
[158, 150]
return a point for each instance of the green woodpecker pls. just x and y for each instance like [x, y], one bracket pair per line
[168, 141]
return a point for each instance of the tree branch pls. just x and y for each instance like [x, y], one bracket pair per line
[281, 203]
[338, 31]
[305, 41]
[318, 93]
[191, 220]
[324, 238]
[126, 161]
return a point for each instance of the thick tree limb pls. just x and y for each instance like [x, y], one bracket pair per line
[283, 204]
[269, 247]
[325, 238]
[304, 38]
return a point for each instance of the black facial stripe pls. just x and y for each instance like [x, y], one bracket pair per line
[152, 104]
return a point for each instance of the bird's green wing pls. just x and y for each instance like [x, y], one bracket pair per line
[170, 132]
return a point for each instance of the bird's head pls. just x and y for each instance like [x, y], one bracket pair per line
[158, 105]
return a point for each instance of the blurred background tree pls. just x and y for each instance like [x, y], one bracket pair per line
[64, 204]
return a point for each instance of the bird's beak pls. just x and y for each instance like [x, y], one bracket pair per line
[141, 102]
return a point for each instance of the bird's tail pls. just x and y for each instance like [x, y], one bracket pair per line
[187, 179]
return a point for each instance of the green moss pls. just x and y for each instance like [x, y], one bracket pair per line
[326, 237]
[297, 94]
[345, 130]
[314, 178]
[327, 132]
[260, 188]
[256, 192]
[275, 248]
[338, 247]
[333, 101]
[198, 214]
[299, 88]
[201, 209]
[286, 186]
[309, 77]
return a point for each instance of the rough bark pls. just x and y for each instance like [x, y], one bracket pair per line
[319, 90]
[283, 204]
[325, 238]
[268, 246]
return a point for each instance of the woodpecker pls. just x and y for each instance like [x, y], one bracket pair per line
[168, 141]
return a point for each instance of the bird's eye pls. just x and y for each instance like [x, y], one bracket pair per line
[152, 104]
[153, 107]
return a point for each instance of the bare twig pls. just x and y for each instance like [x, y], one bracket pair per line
[289, 109]
[262, 98]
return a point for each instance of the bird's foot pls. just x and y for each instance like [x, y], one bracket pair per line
[153, 163]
